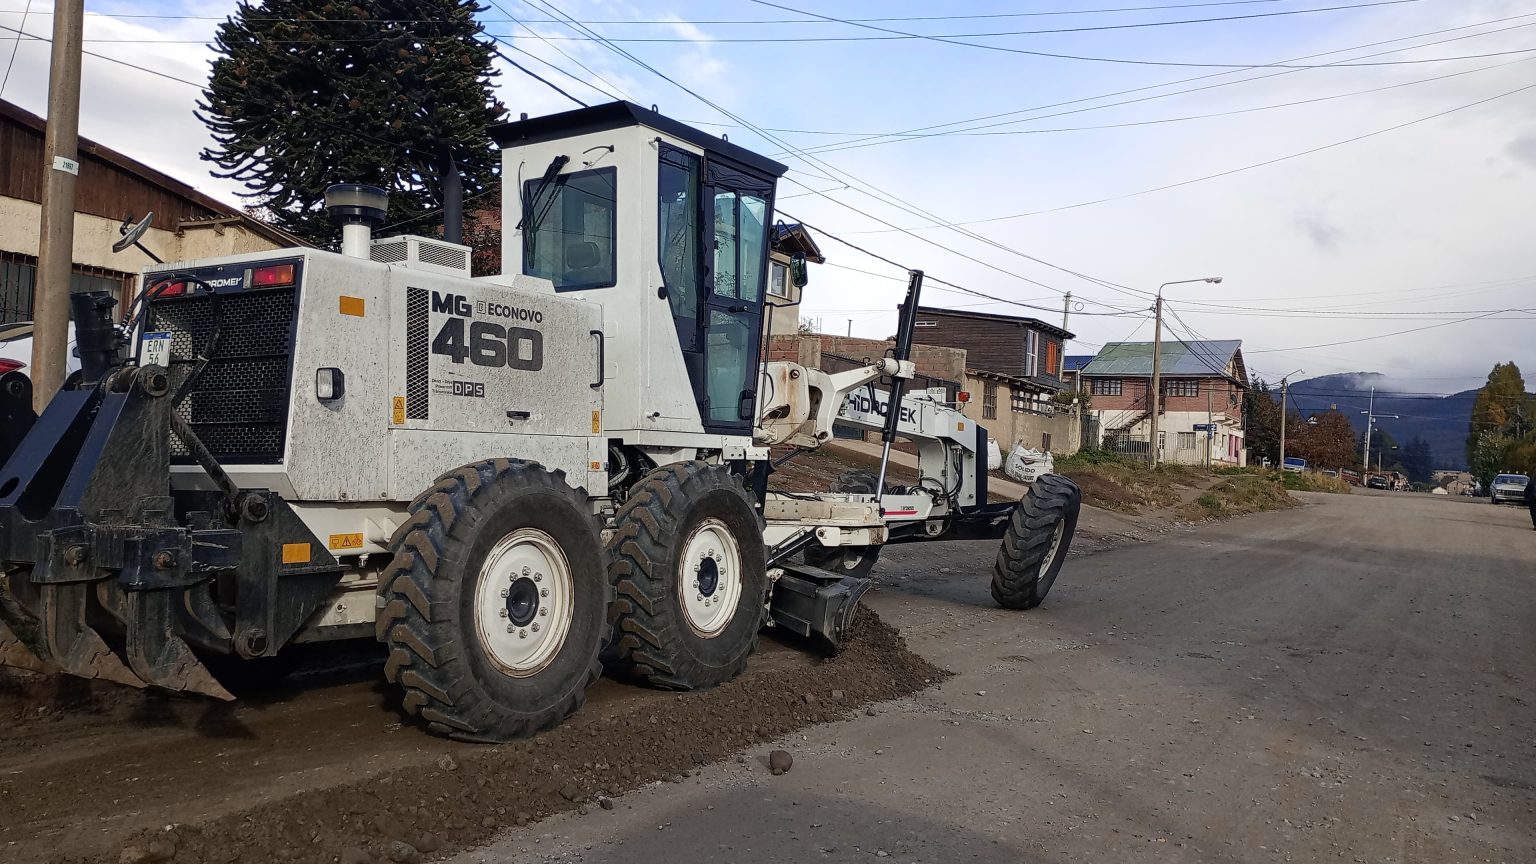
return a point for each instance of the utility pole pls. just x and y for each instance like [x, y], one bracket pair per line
[55, 254]
[1210, 429]
[1284, 385]
[1157, 377]
[1066, 309]
[1157, 355]
[1370, 420]
[850, 327]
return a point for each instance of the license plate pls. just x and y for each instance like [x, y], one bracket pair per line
[155, 350]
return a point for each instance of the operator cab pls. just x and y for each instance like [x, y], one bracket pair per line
[668, 228]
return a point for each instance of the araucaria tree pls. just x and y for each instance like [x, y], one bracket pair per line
[306, 93]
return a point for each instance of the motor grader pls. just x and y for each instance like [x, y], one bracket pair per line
[513, 481]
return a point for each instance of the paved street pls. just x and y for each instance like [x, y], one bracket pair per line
[1348, 681]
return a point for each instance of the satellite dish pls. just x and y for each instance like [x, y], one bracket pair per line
[132, 232]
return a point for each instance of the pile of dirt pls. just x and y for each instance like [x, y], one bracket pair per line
[1237, 496]
[468, 792]
[1128, 488]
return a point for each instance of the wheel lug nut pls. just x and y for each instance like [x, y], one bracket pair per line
[543, 592]
[543, 610]
[510, 628]
[534, 626]
[506, 591]
[525, 570]
[522, 634]
[503, 612]
[538, 577]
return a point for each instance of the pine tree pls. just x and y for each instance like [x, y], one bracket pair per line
[306, 93]
[1261, 422]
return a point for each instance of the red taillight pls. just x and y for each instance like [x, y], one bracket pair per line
[962, 396]
[175, 289]
[10, 365]
[272, 275]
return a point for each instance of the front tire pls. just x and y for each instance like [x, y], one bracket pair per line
[690, 574]
[1035, 544]
[494, 605]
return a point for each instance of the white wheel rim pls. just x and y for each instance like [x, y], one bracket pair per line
[709, 578]
[524, 602]
[1050, 552]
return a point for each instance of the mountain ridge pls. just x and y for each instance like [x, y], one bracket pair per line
[1440, 419]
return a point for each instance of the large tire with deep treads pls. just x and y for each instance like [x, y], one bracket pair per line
[690, 576]
[494, 607]
[856, 561]
[1035, 543]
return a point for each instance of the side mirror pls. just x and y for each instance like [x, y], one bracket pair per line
[797, 271]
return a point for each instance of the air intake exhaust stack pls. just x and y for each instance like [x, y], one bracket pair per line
[358, 209]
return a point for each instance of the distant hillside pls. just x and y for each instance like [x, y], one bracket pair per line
[1440, 420]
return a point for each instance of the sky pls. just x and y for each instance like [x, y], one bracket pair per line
[1372, 215]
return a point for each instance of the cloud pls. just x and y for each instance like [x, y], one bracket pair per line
[1523, 149]
[1322, 234]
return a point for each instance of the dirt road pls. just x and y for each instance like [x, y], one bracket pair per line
[1349, 681]
[1345, 681]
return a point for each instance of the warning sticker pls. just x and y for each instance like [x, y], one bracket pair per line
[346, 541]
[397, 411]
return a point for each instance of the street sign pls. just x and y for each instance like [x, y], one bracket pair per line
[1204, 427]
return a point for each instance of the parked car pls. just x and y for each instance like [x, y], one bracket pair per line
[1329, 472]
[1509, 487]
[1295, 463]
[1377, 481]
[16, 348]
[1350, 476]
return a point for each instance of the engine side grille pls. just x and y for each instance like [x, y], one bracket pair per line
[239, 406]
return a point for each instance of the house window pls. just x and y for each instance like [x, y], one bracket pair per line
[1106, 386]
[1181, 387]
[1186, 440]
[989, 401]
[18, 275]
[778, 281]
[1052, 358]
[1045, 441]
[1031, 353]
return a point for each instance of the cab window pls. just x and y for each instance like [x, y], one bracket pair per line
[569, 228]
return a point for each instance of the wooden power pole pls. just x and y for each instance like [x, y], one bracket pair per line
[55, 257]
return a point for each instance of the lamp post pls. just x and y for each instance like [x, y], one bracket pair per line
[1285, 383]
[1157, 352]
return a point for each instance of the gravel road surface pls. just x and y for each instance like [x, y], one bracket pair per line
[1347, 681]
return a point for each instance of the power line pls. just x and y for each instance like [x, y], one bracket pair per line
[744, 21]
[893, 201]
[1370, 338]
[1166, 120]
[911, 134]
[535, 76]
[1231, 171]
[15, 47]
[1127, 60]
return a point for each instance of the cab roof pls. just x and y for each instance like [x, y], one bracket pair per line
[620, 115]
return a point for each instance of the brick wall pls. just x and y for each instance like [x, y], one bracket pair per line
[934, 360]
[1224, 396]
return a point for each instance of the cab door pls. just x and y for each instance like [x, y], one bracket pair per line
[739, 207]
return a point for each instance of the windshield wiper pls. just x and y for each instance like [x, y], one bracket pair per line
[550, 174]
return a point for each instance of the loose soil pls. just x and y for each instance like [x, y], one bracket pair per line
[325, 770]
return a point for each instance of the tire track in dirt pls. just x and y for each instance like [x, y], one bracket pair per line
[330, 772]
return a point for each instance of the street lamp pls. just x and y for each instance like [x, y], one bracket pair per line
[1285, 382]
[1157, 352]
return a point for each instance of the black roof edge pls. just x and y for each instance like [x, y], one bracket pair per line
[993, 316]
[619, 115]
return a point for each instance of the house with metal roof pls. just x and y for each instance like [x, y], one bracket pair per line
[1200, 415]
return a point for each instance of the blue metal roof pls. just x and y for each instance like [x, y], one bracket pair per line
[1074, 362]
[1207, 358]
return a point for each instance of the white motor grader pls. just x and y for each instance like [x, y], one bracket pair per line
[512, 480]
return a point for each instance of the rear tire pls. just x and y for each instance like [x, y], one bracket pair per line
[1036, 542]
[493, 607]
[690, 575]
[856, 561]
